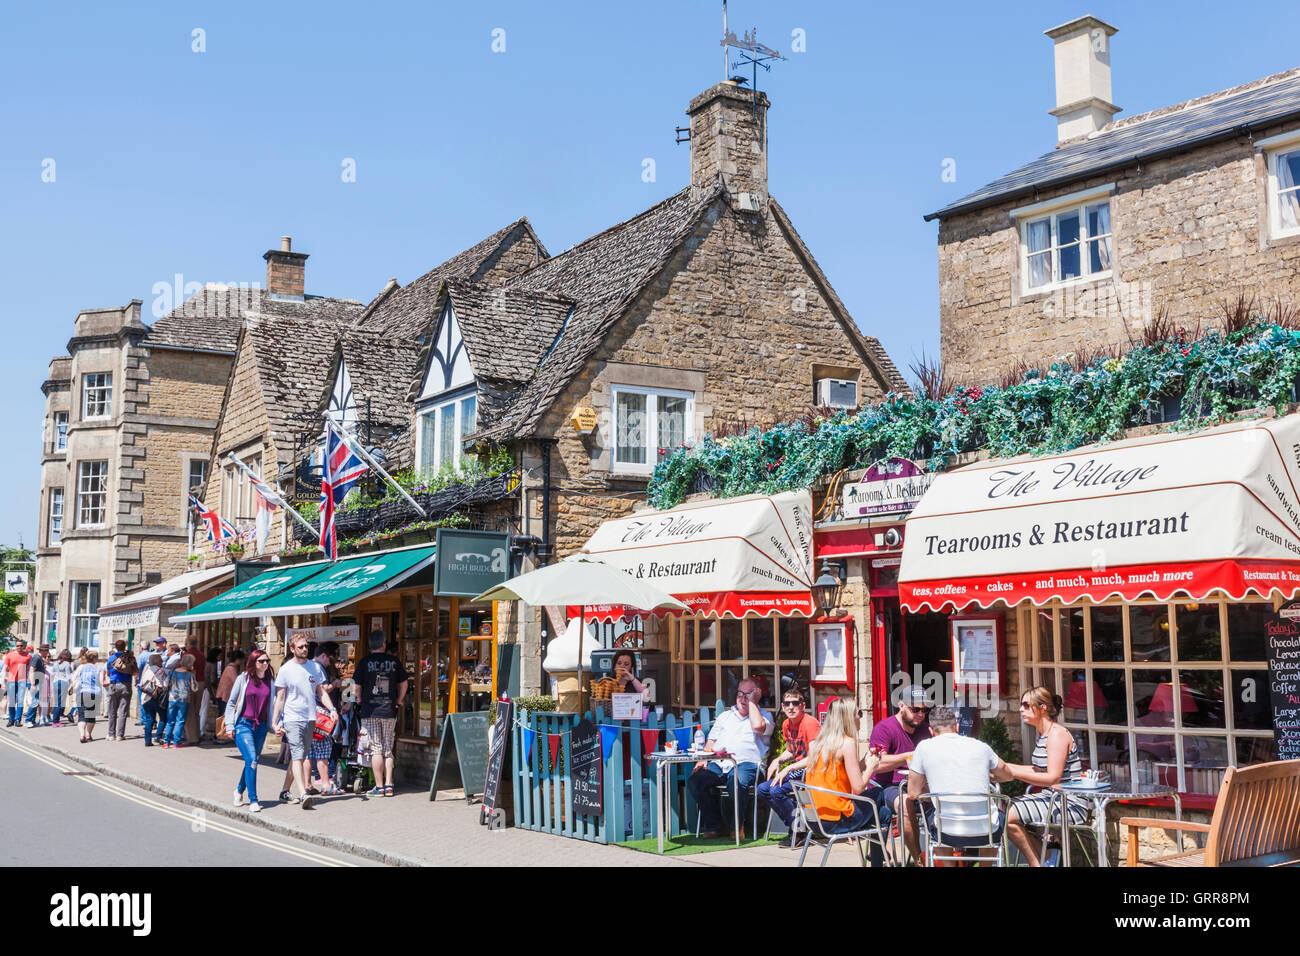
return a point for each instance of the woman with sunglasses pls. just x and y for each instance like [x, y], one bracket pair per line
[249, 714]
[1056, 759]
[833, 765]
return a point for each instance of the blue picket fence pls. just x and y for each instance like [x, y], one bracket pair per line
[544, 795]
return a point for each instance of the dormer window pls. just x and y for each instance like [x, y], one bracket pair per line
[442, 429]
[1065, 240]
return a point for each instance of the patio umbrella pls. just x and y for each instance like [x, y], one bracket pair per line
[582, 580]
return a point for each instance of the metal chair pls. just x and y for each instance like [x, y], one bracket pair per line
[871, 831]
[1050, 838]
[979, 813]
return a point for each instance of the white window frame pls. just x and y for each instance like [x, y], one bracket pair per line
[61, 431]
[100, 384]
[86, 489]
[81, 592]
[50, 618]
[458, 403]
[651, 427]
[54, 534]
[1275, 147]
[1052, 210]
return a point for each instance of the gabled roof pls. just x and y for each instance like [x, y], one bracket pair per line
[603, 275]
[210, 319]
[507, 331]
[1173, 129]
[380, 367]
[406, 311]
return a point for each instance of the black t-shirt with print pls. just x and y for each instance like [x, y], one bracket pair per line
[380, 677]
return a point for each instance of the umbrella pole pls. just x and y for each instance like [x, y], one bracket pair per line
[582, 627]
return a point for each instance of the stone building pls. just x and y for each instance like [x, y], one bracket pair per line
[1176, 210]
[129, 419]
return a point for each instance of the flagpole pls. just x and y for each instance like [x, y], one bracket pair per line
[365, 456]
[283, 504]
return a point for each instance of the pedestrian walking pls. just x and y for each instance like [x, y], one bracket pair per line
[383, 682]
[74, 712]
[141, 659]
[60, 682]
[248, 714]
[297, 687]
[153, 690]
[15, 668]
[322, 749]
[192, 722]
[89, 681]
[121, 672]
[38, 688]
[178, 701]
[225, 688]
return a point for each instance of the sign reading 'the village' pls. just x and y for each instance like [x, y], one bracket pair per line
[893, 486]
[1284, 681]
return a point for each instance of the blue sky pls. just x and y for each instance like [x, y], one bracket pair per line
[169, 161]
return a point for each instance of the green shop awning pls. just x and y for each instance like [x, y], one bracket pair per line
[346, 582]
[268, 583]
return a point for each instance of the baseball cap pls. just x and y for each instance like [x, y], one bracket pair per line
[160, 640]
[914, 695]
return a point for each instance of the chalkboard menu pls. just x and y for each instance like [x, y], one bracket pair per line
[584, 760]
[1284, 680]
[464, 748]
[497, 759]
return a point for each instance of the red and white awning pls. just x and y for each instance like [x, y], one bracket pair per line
[1162, 516]
[738, 557]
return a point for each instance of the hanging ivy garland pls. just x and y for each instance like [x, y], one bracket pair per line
[1212, 377]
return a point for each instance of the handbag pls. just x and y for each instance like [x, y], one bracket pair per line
[222, 732]
[325, 722]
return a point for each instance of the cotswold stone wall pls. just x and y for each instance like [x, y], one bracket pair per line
[514, 258]
[1189, 232]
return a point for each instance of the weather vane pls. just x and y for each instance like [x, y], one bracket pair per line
[753, 54]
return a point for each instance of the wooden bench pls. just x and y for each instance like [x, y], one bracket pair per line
[1256, 821]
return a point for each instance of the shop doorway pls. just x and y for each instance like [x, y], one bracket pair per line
[906, 648]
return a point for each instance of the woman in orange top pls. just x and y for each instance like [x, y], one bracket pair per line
[833, 764]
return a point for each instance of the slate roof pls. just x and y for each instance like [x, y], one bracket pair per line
[210, 319]
[1173, 129]
[381, 369]
[602, 275]
[406, 311]
[508, 331]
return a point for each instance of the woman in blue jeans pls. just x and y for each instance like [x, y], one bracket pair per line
[178, 702]
[60, 681]
[249, 714]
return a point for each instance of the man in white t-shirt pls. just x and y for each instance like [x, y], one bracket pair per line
[743, 732]
[951, 763]
[298, 686]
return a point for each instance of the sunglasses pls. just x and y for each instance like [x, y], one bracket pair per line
[791, 703]
[918, 708]
[1026, 705]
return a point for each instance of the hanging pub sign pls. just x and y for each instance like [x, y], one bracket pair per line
[1284, 680]
[892, 486]
[470, 562]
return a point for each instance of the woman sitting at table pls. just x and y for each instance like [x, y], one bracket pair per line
[833, 764]
[1056, 759]
[624, 675]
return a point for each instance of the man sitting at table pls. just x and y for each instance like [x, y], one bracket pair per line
[742, 733]
[897, 736]
[951, 763]
[798, 731]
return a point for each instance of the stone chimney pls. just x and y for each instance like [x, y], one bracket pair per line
[285, 270]
[1083, 103]
[729, 138]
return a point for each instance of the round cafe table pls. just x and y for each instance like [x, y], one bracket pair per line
[1100, 797]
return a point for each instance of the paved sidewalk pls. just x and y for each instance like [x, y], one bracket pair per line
[406, 830]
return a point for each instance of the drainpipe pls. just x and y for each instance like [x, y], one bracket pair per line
[544, 550]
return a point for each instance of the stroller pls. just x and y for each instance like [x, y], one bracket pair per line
[354, 765]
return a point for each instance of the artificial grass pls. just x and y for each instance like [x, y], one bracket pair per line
[687, 844]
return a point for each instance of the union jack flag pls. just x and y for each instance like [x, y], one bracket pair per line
[218, 527]
[342, 469]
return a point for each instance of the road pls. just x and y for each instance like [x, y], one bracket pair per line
[62, 814]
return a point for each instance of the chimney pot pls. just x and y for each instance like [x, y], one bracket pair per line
[1082, 61]
[285, 243]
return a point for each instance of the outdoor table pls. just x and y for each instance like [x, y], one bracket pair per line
[663, 795]
[1100, 796]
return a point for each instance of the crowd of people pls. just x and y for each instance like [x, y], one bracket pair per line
[916, 751]
[311, 704]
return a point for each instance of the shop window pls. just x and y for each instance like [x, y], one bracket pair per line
[1109, 696]
[731, 678]
[1075, 699]
[1201, 698]
[708, 633]
[1113, 757]
[761, 640]
[1108, 634]
[731, 636]
[1073, 643]
[1256, 750]
[1153, 698]
[1045, 622]
[1199, 635]
[1149, 632]
[1204, 761]
[1251, 708]
[1247, 634]
[765, 678]
[792, 638]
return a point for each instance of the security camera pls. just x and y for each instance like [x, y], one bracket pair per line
[893, 538]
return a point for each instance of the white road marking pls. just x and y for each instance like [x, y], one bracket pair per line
[209, 823]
